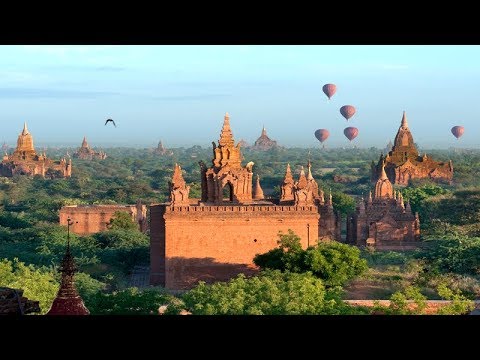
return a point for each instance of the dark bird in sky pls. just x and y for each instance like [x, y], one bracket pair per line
[111, 121]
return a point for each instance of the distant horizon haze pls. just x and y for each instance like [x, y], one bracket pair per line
[179, 94]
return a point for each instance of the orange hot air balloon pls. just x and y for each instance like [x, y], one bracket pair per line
[458, 131]
[322, 135]
[329, 90]
[347, 111]
[351, 133]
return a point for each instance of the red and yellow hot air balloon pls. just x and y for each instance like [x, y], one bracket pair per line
[351, 133]
[458, 131]
[329, 90]
[347, 111]
[322, 134]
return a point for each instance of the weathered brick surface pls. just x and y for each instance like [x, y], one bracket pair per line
[90, 219]
[215, 243]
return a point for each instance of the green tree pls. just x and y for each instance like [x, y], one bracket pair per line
[131, 301]
[459, 305]
[122, 220]
[334, 263]
[287, 257]
[343, 202]
[37, 283]
[460, 255]
[270, 293]
[331, 261]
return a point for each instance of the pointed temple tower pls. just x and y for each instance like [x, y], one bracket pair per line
[68, 301]
[383, 220]
[25, 161]
[84, 152]
[264, 143]
[227, 171]
[257, 190]
[287, 186]
[403, 162]
[179, 190]
[162, 150]
[217, 236]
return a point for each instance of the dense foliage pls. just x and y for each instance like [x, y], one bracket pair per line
[131, 301]
[270, 293]
[29, 230]
[331, 261]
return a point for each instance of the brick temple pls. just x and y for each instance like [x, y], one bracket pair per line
[25, 161]
[217, 236]
[404, 162]
[85, 152]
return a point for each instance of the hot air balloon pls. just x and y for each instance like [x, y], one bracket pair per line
[351, 133]
[347, 111]
[329, 90]
[458, 131]
[322, 135]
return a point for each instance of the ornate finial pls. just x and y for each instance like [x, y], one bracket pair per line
[383, 174]
[264, 132]
[25, 129]
[404, 120]
[309, 177]
[257, 191]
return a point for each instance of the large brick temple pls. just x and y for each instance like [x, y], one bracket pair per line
[216, 237]
[25, 161]
[403, 162]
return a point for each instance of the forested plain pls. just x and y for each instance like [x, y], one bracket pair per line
[292, 280]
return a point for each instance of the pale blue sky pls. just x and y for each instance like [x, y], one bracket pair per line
[180, 93]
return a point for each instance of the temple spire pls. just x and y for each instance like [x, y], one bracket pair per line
[264, 132]
[288, 175]
[404, 120]
[257, 190]
[68, 301]
[383, 187]
[25, 129]
[302, 180]
[383, 174]
[84, 142]
[309, 176]
[226, 136]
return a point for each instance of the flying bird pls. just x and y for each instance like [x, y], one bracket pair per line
[111, 121]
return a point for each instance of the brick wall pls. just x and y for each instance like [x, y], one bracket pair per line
[93, 218]
[215, 243]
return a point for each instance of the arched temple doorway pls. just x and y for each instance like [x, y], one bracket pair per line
[227, 192]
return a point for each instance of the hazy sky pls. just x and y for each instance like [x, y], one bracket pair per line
[179, 94]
